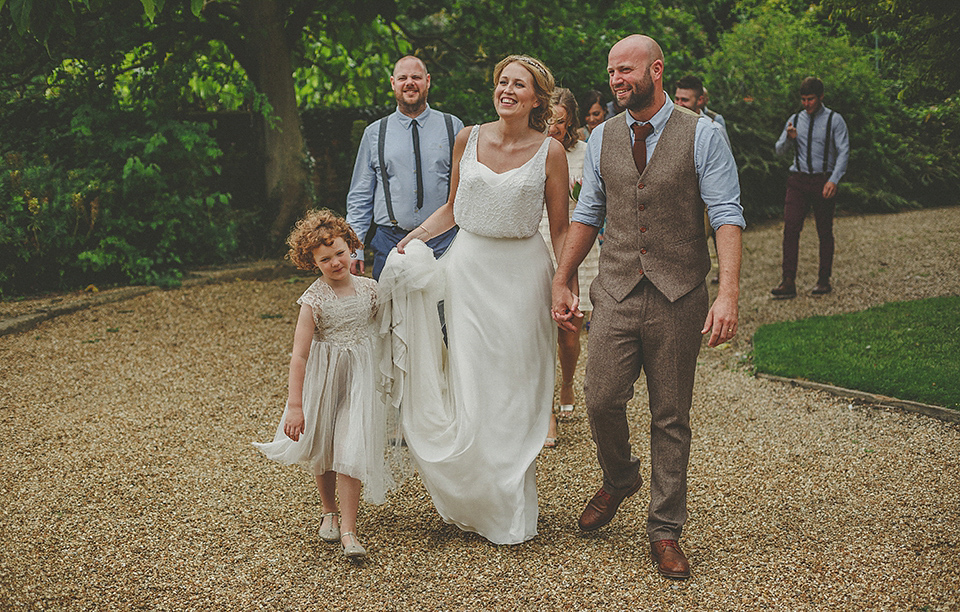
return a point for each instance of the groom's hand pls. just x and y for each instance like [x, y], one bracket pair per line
[565, 307]
[721, 321]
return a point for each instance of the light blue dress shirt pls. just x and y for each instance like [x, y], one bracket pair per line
[716, 171]
[718, 119]
[366, 203]
[839, 152]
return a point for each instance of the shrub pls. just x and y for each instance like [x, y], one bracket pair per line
[895, 160]
[111, 196]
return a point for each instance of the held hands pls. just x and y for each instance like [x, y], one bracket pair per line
[293, 424]
[791, 131]
[566, 306]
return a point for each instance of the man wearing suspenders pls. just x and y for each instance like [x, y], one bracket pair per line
[402, 172]
[817, 137]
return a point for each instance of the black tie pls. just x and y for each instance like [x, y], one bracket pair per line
[809, 145]
[416, 154]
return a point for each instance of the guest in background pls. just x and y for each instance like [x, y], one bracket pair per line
[402, 172]
[818, 139]
[593, 112]
[563, 126]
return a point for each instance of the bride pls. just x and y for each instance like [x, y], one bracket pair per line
[477, 396]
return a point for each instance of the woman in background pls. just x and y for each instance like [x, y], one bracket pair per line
[563, 126]
[593, 112]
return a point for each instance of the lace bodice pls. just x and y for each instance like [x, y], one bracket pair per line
[512, 207]
[342, 320]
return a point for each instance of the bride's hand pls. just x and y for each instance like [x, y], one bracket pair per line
[566, 306]
[419, 232]
[404, 242]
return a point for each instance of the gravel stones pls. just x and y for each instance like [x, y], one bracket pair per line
[127, 479]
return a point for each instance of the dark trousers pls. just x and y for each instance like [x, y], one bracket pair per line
[645, 332]
[805, 191]
[387, 237]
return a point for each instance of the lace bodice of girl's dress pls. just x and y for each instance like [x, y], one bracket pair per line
[342, 321]
[507, 205]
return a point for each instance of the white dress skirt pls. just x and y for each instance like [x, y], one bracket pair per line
[475, 412]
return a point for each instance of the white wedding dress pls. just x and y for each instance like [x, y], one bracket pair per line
[475, 415]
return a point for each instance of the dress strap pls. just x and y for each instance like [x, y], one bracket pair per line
[472, 143]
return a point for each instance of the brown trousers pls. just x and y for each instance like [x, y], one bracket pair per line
[645, 332]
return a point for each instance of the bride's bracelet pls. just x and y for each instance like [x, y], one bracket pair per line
[424, 231]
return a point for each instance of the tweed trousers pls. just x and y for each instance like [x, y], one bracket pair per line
[645, 332]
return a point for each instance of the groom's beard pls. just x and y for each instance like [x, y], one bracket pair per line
[641, 95]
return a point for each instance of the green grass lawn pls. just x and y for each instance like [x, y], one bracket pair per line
[907, 350]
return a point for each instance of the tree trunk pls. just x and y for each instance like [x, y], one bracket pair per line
[286, 171]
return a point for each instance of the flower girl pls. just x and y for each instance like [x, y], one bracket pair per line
[334, 423]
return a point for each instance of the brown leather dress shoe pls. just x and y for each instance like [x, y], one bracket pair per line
[784, 291]
[603, 507]
[669, 559]
[822, 289]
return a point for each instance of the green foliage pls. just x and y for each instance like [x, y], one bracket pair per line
[349, 71]
[463, 40]
[907, 350]
[111, 196]
[754, 78]
[921, 40]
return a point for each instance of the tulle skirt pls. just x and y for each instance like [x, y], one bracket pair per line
[345, 419]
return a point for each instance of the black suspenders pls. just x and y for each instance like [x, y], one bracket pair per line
[381, 144]
[826, 144]
[827, 141]
[448, 120]
[796, 144]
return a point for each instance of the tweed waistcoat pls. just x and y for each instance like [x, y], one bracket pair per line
[654, 220]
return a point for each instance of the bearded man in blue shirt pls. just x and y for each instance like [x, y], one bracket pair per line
[402, 172]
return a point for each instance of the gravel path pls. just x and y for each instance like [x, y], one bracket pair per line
[127, 479]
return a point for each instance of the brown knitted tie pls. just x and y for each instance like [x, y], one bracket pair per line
[640, 133]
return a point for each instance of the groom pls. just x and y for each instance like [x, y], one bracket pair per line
[650, 171]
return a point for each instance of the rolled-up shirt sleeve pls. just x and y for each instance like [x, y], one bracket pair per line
[717, 173]
[592, 204]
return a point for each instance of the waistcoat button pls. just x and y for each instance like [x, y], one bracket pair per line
[643, 229]
[643, 251]
[642, 207]
[640, 185]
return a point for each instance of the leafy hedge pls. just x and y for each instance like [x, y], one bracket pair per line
[901, 157]
[106, 195]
